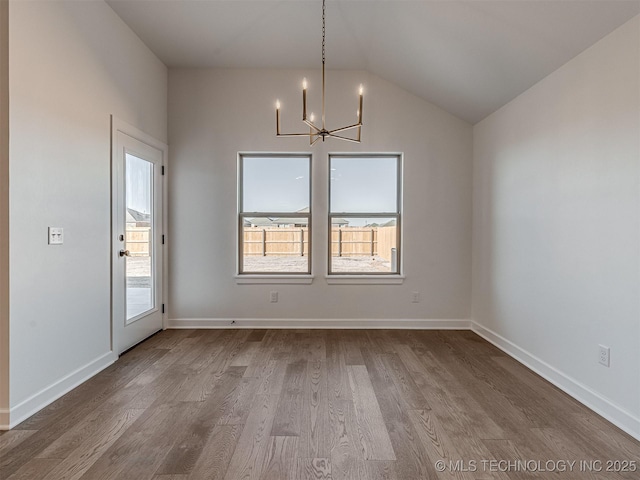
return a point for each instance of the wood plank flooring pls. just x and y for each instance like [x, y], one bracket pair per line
[316, 404]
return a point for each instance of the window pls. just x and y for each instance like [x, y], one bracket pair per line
[364, 214]
[274, 214]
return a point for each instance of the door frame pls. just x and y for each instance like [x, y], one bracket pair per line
[118, 125]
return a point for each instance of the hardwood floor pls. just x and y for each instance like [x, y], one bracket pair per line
[319, 404]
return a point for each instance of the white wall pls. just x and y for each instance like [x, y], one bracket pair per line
[4, 214]
[215, 113]
[72, 64]
[556, 225]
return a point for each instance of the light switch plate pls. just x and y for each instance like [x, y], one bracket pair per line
[56, 236]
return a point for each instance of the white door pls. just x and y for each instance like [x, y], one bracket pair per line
[137, 169]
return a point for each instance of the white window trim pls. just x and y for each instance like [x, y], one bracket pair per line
[336, 278]
[339, 279]
[272, 279]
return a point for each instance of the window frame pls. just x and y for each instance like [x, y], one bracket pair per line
[241, 215]
[397, 215]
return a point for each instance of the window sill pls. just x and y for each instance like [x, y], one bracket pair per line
[256, 279]
[365, 279]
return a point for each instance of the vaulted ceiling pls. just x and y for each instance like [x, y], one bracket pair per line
[468, 57]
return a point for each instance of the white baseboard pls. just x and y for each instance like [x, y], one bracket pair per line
[623, 419]
[50, 394]
[319, 323]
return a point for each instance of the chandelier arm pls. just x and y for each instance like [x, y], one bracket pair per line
[356, 125]
[344, 138]
[293, 134]
[314, 142]
[312, 125]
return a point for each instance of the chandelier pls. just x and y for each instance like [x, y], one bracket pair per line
[316, 132]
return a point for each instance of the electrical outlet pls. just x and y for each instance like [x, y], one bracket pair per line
[56, 236]
[273, 297]
[604, 355]
[415, 297]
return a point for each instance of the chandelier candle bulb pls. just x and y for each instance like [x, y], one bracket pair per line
[304, 99]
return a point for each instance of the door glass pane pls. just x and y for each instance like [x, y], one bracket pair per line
[139, 236]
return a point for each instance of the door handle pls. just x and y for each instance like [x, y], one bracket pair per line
[125, 253]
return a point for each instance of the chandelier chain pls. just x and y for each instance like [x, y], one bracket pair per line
[323, 29]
